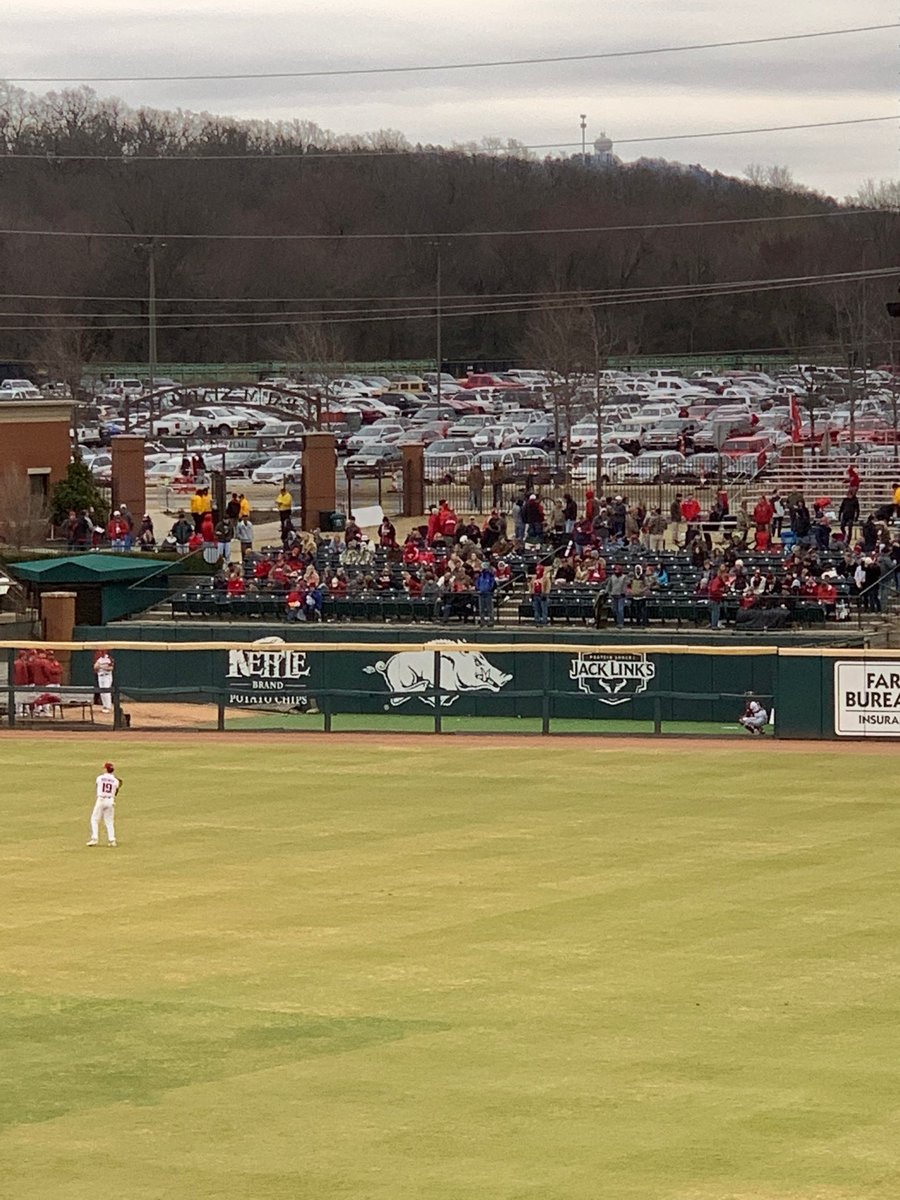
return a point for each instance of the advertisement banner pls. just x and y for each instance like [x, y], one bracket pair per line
[867, 698]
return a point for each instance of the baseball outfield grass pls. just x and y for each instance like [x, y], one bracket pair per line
[453, 971]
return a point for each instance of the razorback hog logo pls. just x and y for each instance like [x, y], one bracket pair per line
[411, 673]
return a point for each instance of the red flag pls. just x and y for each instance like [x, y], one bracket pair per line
[795, 421]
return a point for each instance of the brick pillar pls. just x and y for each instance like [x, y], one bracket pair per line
[317, 484]
[413, 479]
[58, 622]
[128, 475]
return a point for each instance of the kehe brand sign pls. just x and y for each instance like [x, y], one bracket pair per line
[271, 675]
[867, 698]
[612, 678]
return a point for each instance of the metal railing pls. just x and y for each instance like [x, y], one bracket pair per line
[875, 591]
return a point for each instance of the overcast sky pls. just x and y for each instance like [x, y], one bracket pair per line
[827, 79]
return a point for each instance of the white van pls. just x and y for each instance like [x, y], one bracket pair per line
[125, 386]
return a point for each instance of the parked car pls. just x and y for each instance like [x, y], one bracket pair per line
[585, 470]
[447, 466]
[518, 462]
[381, 457]
[655, 466]
[487, 381]
[287, 467]
[382, 432]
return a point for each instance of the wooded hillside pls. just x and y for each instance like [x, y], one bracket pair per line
[343, 189]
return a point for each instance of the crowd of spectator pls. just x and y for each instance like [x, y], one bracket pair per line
[772, 554]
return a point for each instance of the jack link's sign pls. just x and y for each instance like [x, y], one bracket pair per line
[867, 698]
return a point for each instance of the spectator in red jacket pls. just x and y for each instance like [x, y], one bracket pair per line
[448, 522]
[716, 593]
[690, 510]
[296, 602]
[763, 514]
[117, 530]
[208, 529]
[434, 523]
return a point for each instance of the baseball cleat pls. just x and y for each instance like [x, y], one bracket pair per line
[92, 842]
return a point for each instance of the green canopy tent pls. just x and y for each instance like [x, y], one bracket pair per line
[107, 586]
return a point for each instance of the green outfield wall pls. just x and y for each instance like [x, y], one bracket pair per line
[815, 692]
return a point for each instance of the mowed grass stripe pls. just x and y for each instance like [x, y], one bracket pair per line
[449, 971]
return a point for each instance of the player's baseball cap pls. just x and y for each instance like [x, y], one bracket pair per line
[108, 767]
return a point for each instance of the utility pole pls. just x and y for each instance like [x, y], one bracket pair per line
[151, 247]
[584, 139]
[151, 315]
[438, 350]
[598, 475]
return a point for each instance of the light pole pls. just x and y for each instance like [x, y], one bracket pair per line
[584, 139]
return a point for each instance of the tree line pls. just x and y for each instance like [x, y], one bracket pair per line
[379, 296]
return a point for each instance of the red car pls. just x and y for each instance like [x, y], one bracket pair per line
[488, 381]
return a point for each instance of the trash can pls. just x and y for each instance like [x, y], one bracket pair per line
[332, 522]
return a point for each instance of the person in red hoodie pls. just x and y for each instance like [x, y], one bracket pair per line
[434, 524]
[590, 506]
[296, 602]
[763, 514]
[208, 529]
[690, 514]
[116, 530]
[716, 593]
[449, 522]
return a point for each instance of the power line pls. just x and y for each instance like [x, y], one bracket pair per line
[482, 302]
[428, 150]
[409, 235]
[688, 292]
[458, 66]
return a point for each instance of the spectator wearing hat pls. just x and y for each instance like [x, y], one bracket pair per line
[129, 526]
[181, 533]
[533, 517]
[117, 529]
[147, 538]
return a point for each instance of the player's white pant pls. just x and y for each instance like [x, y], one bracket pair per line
[107, 811]
[104, 683]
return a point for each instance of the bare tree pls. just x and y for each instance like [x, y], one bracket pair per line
[64, 353]
[561, 340]
[316, 352]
